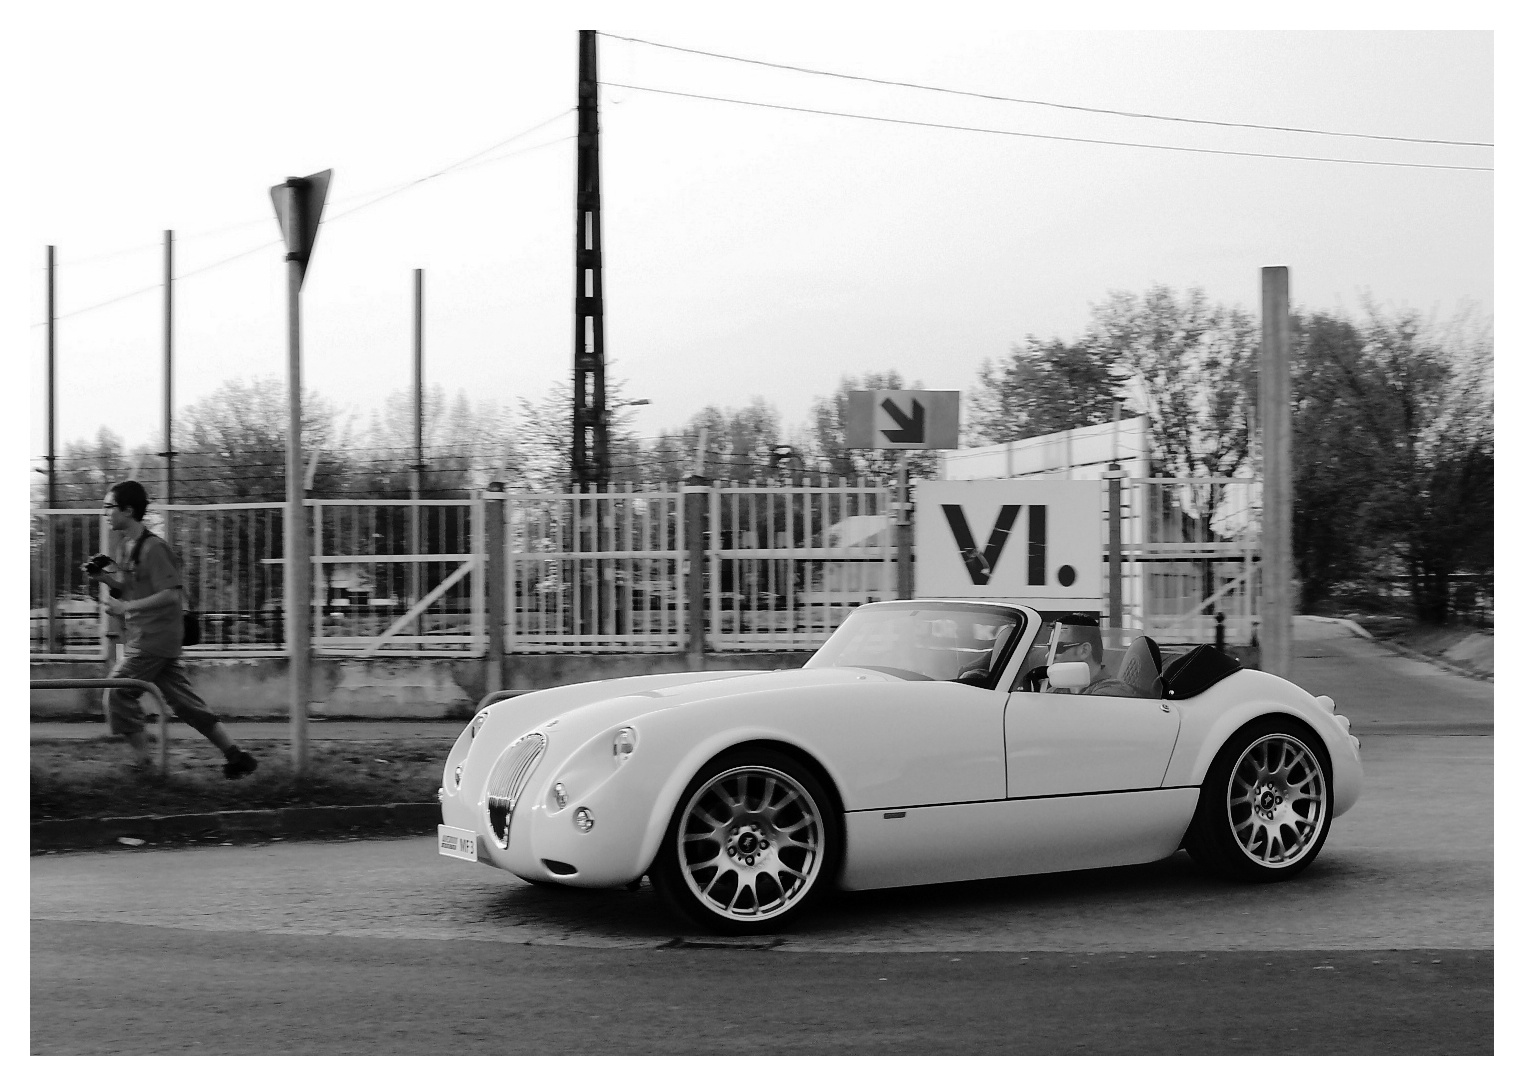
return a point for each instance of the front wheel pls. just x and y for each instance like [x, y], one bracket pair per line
[1265, 805]
[754, 840]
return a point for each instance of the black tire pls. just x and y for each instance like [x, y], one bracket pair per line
[1266, 804]
[755, 840]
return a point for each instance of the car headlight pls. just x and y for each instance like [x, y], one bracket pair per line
[559, 793]
[459, 772]
[624, 744]
[582, 818]
[477, 722]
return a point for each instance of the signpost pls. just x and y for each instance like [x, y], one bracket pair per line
[298, 208]
[1033, 540]
[907, 420]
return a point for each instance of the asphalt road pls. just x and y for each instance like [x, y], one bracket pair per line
[1384, 947]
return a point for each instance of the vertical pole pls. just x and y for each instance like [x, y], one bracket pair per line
[169, 381]
[495, 570]
[298, 567]
[589, 465]
[903, 535]
[49, 559]
[1275, 419]
[695, 513]
[414, 513]
[1114, 523]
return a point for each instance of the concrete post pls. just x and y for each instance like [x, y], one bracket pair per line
[695, 523]
[1275, 420]
[495, 570]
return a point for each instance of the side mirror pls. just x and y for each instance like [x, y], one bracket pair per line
[1074, 675]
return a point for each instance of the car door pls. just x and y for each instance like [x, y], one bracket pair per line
[1074, 744]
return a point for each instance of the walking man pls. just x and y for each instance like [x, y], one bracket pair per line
[148, 595]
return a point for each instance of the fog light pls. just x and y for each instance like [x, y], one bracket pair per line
[559, 791]
[582, 818]
[624, 744]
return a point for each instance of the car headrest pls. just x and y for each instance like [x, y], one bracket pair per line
[1141, 668]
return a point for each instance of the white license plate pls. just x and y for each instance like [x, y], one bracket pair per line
[454, 841]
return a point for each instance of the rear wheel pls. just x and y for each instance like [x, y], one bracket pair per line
[1265, 806]
[755, 840]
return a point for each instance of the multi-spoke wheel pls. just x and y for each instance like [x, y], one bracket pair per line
[1264, 808]
[753, 839]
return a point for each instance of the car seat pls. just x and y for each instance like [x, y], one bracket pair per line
[1142, 667]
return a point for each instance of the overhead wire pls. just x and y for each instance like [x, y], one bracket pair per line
[1048, 136]
[1043, 102]
[386, 192]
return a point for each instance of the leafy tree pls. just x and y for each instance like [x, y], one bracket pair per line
[1195, 368]
[1335, 458]
[1043, 388]
[231, 445]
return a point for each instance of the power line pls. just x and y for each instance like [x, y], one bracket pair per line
[1047, 104]
[1045, 136]
[386, 193]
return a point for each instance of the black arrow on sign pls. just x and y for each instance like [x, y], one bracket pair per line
[912, 430]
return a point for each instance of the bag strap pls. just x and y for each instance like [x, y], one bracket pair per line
[137, 548]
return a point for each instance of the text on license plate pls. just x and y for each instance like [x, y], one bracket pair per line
[454, 841]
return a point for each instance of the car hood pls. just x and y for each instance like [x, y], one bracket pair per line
[576, 713]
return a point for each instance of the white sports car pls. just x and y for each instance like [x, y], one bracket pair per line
[926, 741]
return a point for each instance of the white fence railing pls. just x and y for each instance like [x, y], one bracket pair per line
[778, 567]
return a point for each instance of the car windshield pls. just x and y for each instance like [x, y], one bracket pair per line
[921, 640]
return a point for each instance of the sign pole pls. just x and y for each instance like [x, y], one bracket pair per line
[903, 539]
[298, 605]
[299, 208]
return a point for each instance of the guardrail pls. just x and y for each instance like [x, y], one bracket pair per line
[120, 684]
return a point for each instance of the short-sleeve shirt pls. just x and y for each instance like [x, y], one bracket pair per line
[156, 632]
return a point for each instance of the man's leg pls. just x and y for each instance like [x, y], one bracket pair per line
[126, 710]
[174, 683]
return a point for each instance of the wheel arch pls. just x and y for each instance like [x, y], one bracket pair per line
[672, 794]
[1224, 733]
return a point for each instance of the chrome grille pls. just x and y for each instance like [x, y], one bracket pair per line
[507, 781]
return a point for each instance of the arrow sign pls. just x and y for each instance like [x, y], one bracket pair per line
[299, 209]
[902, 418]
[912, 431]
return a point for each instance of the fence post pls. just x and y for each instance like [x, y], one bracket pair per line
[495, 570]
[695, 516]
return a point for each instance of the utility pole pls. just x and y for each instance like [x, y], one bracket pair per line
[1113, 477]
[590, 436]
[169, 379]
[50, 559]
[1275, 418]
[415, 514]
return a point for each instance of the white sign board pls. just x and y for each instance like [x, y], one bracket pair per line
[915, 418]
[1032, 541]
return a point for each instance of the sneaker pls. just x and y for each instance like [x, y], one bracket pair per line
[240, 765]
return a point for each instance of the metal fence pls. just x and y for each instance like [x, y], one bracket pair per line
[779, 567]
[595, 572]
[787, 563]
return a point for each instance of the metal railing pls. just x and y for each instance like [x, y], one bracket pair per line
[779, 567]
[121, 684]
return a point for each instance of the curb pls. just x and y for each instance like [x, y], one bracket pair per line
[375, 820]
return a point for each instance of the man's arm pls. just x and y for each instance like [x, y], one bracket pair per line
[165, 597]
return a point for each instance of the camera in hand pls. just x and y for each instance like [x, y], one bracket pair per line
[98, 563]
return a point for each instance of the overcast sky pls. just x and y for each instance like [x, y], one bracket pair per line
[749, 251]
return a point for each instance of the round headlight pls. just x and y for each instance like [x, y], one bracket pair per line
[624, 744]
[559, 792]
[582, 818]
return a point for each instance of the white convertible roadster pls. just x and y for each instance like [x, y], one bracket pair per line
[926, 741]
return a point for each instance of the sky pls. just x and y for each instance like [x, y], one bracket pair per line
[750, 251]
